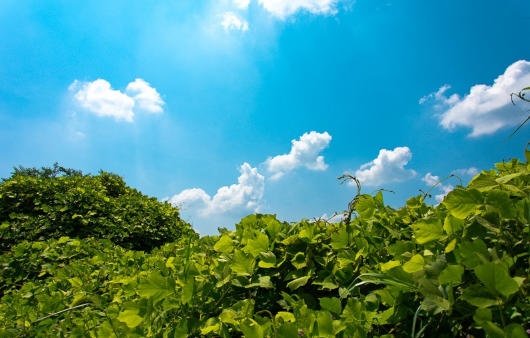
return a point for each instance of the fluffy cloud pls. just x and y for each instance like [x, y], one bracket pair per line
[231, 21]
[304, 153]
[431, 180]
[486, 109]
[283, 8]
[99, 98]
[246, 195]
[387, 167]
[145, 96]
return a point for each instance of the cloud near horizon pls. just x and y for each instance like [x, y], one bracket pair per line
[246, 195]
[431, 180]
[387, 167]
[486, 109]
[304, 153]
[99, 98]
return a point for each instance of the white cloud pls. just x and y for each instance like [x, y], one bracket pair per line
[246, 195]
[304, 153]
[231, 21]
[486, 109]
[468, 171]
[284, 8]
[387, 167]
[431, 180]
[145, 96]
[99, 98]
[241, 4]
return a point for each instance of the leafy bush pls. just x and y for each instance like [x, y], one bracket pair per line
[458, 269]
[39, 204]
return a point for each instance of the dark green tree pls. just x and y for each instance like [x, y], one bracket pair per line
[38, 204]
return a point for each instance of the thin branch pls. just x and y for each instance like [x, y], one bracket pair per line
[58, 313]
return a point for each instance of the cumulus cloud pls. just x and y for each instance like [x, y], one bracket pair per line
[486, 109]
[304, 153]
[145, 96]
[99, 98]
[387, 167]
[283, 8]
[246, 195]
[232, 21]
[431, 180]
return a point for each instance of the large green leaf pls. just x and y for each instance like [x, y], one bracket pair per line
[479, 296]
[251, 329]
[130, 315]
[242, 264]
[309, 232]
[332, 304]
[366, 206]
[500, 200]
[298, 282]
[288, 331]
[324, 327]
[496, 278]
[154, 286]
[483, 183]
[258, 245]
[474, 253]
[267, 260]
[224, 244]
[415, 264]
[461, 203]
[339, 239]
[453, 224]
[427, 230]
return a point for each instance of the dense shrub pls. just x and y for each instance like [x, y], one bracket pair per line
[39, 204]
[457, 269]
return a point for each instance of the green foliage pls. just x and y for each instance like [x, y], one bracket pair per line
[39, 204]
[452, 270]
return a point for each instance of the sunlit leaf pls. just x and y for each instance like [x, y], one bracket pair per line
[461, 203]
[415, 264]
[427, 230]
[154, 286]
[366, 206]
[243, 264]
[496, 278]
[255, 246]
[130, 315]
[339, 239]
[224, 244]
[267, 260]
[295, 284]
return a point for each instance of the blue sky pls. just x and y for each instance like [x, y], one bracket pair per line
[232, 107]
